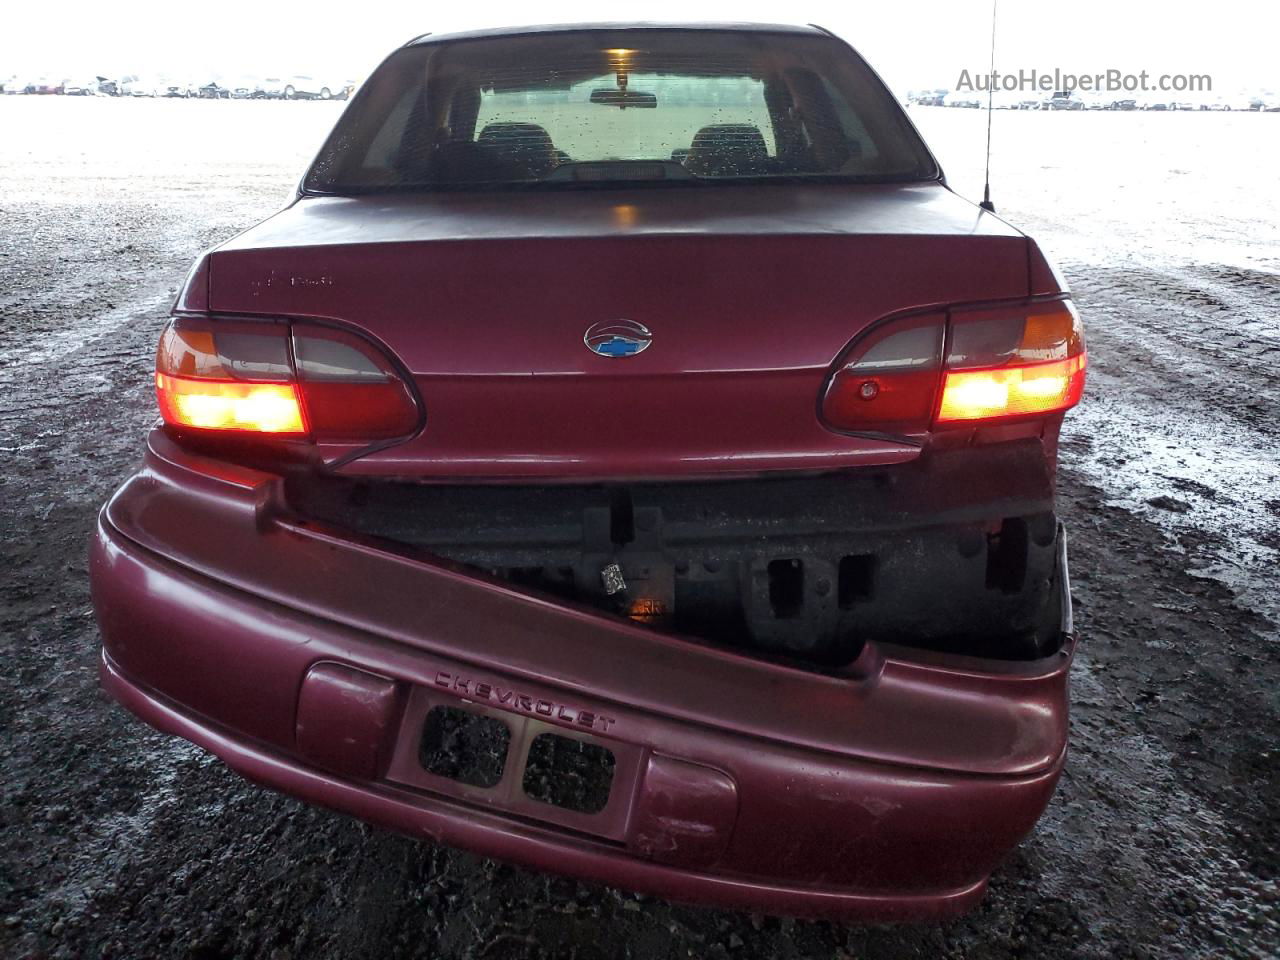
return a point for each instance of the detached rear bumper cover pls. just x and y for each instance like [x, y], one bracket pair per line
[307, 660]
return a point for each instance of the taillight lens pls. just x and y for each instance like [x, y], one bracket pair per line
[888, 380]
[237, 379]
[211, 405]
[273, 378]
[351, 391]
[1004, 363]
[999, 363]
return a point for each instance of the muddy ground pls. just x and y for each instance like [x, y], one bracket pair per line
[1163, 838]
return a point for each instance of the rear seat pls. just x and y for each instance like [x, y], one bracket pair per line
[503, 151]
[727, 150]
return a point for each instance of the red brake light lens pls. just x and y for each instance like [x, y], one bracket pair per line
[266, 378]
[351, 391]
[888, 380]
[1007, 363]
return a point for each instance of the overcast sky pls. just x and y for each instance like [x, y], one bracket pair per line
[919, 43]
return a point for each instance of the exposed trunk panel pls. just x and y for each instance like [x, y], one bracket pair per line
[955, 552]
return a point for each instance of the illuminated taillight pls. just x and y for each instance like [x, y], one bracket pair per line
[237, 378]
[887, 381]
[1012, 362]
[214, 405]
[1000, 363]
[271, 378]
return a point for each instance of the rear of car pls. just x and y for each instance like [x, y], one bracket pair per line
[270, 88]
[628, 458]
[1065, 100]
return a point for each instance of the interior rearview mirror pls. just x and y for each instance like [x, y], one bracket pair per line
[623, 99]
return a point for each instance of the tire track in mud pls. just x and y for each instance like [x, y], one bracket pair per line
[1178, 433]
[116, 841]
[1172, 776]
[1179, 421]
[1192, 306]
[86, 337]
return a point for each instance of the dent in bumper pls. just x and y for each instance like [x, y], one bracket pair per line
[886, 797]
[494, 836]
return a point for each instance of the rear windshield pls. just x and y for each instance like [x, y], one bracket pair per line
[597, 107]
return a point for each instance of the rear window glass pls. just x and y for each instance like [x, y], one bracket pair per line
[592, 107]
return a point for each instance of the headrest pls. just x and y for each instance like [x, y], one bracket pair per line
[726, 149]
[519, 136]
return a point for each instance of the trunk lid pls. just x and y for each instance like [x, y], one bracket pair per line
[749, 293]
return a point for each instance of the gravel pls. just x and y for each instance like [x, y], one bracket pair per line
[1162, 840]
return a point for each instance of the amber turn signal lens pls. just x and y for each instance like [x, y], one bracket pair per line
[1013, 362]
[223, 405]
[1012, 391]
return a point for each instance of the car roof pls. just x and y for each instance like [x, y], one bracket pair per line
[426, 38]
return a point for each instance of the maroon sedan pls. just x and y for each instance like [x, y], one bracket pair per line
[625, 457]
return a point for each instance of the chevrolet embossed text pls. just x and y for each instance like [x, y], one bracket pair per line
[522, 702]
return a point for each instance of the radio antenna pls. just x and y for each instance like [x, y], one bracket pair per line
[991, 89]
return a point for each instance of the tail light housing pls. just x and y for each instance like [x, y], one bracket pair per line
[965, 367]
[887, 381]
[1008, 363]
[277, 379]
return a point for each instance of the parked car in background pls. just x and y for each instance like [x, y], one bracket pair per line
[45, 87]
[1063, 100]
[243, 87]
[179, 88]
[966, 99]
[135, 86]
[1154, 104]
[300, 87]
[1124, 104]
[78, 88]
[213, 91]
[270, 88]
[709, 551]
